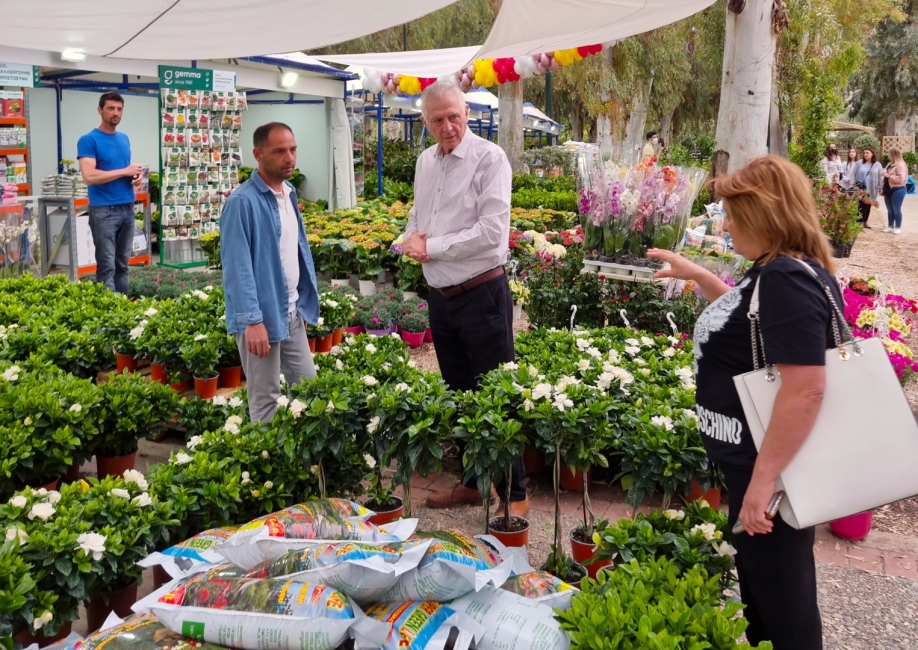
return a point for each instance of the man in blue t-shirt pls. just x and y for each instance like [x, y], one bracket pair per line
[105, 162]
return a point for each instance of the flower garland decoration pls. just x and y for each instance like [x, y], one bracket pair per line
[481, 73]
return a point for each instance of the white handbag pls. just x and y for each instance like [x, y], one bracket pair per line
[863, 450]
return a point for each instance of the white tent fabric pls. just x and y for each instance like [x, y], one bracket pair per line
[199, 29]
[341, 192]
[531, 111]
[535, 26]
[482, 96]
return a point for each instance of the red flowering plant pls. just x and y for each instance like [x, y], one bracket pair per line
[838, 212]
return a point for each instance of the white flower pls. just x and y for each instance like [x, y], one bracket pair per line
[181, 458]
[133, 476]
[283, 401]
[193, 442]
[76, 408]
[16, 533]
[339, 364]
[594, 352]
[40, 621]
[245, 478]
[562, 401]
[209, 287]
[331, 303]
[200, 337]
[320, 322]
[296, 408]
[669, 352]
[264, 454]
[645, 372]
[142, 500]
[314, 470]
[412, 364]
[702, 503]
[219, 400]
[41, 491]
[234, 402]
[283, 379]
[370, 461]
[152, 311]
[614, 356]
[724, 548]
[92, 544]
[396, 336]
[370, 348]
[662, 421]
[121, 494]
[646, 341]
[19, 501]
[330, 407]
[373, 425]
[673, 340]
[386, 366]
[234, 419]
[528, 405]
[632, 350]
[691, 415]
[632, 342]
[583, 364]
[230, 428]
[708, 530]
[136, 332]
[541, 391]
[336, 350]
[369, 380]
[685, 374]
[41, 510]
[197, 293]
[510, 365]
[583, 344]
[402, 387]
[268, 485]
[640, 362]
[678, 515]
[27, 421]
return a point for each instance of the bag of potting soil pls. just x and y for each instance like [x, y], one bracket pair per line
[183, 558]
[303, 525]
[511, 621]
[140, 632]
[423, 626]
[447, 570]
[272, 614]
[541, 587]
[485, 548]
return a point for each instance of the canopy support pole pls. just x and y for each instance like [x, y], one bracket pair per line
[379, 145]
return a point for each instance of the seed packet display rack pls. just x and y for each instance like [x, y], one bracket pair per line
[200, 157]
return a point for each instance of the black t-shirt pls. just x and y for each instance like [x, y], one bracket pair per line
[795, 317]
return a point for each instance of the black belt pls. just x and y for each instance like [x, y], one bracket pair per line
[472, 283]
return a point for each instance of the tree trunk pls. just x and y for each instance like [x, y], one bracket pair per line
[634, 130]
[591, 130]
[576, 119]
[604, 119]
[719, 165]
[745, 96]
[777, 143]
[666, 128]
[510, 133]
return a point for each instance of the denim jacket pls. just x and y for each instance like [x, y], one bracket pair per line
[253, 276]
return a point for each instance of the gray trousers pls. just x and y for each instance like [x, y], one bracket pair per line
[262, 375]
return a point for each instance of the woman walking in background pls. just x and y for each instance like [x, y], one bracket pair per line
[832, 165]
[895, 176]
[866, 176]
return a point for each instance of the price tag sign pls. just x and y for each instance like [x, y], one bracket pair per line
[224, 81]
[20, 74]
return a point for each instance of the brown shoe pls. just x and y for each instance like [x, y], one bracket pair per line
[458, 496]
[517, 508]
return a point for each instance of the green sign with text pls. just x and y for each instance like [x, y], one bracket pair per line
[187, 78]
[17, 74]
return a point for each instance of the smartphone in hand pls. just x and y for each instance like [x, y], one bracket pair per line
[770, 512]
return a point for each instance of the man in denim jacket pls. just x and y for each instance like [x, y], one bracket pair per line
[268, 274]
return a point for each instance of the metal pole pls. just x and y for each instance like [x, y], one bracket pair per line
[491, 125]
[379, 145]
[405, 37]
[59, 94]
[548, 100]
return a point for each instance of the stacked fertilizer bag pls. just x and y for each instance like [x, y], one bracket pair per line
[319, 575]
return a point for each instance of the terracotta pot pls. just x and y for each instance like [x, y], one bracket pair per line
[114, 465]
[583, 552]
[158, 372]
[573, 482]
[73, 473]
[312, 345]
[428, 336]
[101, 605]
[51, 485]
[533, 461]
[206, 388]
[712, 496]
[356, 330]
[413, 339]
[387, 516]
[125, 362]
[518, 538]
[337, 336]
[229, 377]
[853, 528]
[385, 332]
[28, 638]
[181, 386]
[325, 344]
[160, 577]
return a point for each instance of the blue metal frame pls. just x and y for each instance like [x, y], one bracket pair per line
[297, 65]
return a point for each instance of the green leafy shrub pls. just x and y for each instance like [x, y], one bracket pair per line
[131, 408]
[566, 201]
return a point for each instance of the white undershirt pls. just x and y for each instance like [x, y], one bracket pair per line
[289, 244]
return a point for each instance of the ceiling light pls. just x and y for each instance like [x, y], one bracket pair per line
[287, 79]
[73, 54]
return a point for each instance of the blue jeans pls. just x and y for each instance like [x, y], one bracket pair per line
[112, 229]
[894, 199]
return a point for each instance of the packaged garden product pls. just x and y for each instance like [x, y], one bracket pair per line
[477, 547]
[180, 560]
[541, 587]
[423, 626]
[263, 614]
[447, 571]
[140, 632]
[511, 621]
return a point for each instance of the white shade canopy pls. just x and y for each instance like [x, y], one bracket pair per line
[198, 29]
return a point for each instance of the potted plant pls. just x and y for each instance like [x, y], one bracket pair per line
[839, 216]
[410, 276]
[369, 262]
[131, 408]
[334, 311]
[123, 330]
[376, 322]
[200, 356]
[493, 442]
[520, 294]
[229, 366]
[322, 334]
[414, 325]
[24, 608]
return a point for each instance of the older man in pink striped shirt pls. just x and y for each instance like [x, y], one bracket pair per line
[459, 229]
